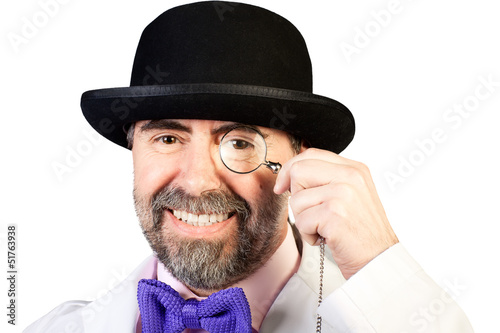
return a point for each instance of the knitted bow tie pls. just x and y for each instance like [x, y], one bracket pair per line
[163, 310]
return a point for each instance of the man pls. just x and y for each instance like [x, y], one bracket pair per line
[223, 128]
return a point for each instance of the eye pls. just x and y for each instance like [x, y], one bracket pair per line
[168, 139]
[240, 144]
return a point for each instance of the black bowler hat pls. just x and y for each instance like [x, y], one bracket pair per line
[222, 61]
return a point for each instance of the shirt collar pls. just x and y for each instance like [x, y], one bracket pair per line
[262, 287]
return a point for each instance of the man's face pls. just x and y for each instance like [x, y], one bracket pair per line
[209, 226]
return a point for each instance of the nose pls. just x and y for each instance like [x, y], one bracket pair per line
[201, 169]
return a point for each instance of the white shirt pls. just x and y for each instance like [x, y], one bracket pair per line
[391, 294]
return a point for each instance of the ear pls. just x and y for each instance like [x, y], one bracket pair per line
[304, 146]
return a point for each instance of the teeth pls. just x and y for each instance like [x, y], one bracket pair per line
[192, 219]
[202, 220]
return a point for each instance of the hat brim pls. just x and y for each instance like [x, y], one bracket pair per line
[323, 122]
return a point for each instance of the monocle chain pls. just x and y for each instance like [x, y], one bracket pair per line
[321, 271]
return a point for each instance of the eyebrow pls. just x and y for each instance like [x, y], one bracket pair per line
[164, 124]
[228, 127]
[160, 124]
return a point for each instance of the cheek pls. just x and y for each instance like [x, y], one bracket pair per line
[253, 187]
[152, 172]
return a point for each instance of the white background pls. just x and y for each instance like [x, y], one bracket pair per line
[77, 234]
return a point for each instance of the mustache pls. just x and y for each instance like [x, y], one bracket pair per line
[215, 201]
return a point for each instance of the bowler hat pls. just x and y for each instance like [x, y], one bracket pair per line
[222, 61]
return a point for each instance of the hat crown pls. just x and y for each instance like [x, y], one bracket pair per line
[222, 61]
[222, 42]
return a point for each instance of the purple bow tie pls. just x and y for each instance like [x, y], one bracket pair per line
[163, 310]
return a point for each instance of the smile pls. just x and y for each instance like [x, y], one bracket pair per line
[200, 220]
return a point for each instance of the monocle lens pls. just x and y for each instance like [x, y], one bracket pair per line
[242, 150]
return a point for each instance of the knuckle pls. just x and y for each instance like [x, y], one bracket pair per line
[293, 201]
[301, 225]
[363, 168]
[311, 151]
[335, 209]
[345, 191]
[296, 169]
[357, 173]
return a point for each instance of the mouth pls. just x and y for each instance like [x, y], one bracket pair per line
[200, 220]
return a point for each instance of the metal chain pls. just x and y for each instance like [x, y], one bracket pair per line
[321, 270]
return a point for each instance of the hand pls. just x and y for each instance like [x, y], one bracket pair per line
[335, 198]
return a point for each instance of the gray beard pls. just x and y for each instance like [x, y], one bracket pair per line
[212, 264]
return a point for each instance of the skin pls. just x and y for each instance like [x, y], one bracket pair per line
[191, 160]
[335, 197]
[331, 196]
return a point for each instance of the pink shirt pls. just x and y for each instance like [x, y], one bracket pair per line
[261, 289]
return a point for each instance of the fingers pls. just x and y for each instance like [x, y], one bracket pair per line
[314, 168]
[335, 198]
[309, 222]
[324, 210]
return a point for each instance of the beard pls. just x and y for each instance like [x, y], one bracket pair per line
[212, 264]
